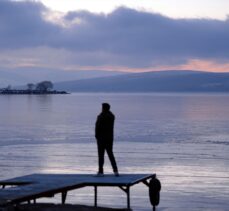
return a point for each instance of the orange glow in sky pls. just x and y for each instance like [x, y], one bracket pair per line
[195, 64]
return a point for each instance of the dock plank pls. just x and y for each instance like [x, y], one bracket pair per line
[34, 186]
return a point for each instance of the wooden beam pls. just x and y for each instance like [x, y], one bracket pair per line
[63, 197]
[95, 199]
[126, 189]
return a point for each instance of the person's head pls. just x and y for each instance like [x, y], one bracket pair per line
[105, 107]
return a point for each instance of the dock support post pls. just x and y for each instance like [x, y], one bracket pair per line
[127, 191]
[63, 197]
[128, 196]
[95, 201]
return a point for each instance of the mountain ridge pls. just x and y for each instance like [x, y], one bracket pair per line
[22, 76]
[154, 81]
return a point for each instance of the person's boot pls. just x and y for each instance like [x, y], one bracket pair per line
[116, 173]
[100, 173]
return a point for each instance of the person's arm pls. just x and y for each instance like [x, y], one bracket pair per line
[113, 121]
[97, 128]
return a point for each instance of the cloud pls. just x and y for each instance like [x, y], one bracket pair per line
[125, 37]
[22, 25]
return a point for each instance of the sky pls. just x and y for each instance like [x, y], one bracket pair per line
[127, 35]
[173, 8]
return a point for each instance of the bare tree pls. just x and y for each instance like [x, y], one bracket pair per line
[44, 86]
[30, 86]
[8, 87]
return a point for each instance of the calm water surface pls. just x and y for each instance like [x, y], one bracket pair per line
[184, 138]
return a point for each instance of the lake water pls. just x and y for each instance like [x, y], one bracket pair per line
[184, 138]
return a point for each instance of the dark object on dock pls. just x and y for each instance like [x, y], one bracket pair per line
[154, 192]
[31, 187]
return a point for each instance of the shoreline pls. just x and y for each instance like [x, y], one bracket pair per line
[62, 207]
[30, 92]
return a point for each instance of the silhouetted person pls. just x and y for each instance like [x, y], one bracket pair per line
[104, 133]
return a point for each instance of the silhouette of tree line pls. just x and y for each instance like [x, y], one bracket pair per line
[43, 87]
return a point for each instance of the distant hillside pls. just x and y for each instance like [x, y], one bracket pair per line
[161, 81]
[21, 76]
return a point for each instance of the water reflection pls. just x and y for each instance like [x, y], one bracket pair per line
[183, 138]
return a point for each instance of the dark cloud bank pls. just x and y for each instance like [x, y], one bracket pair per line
[129, 37]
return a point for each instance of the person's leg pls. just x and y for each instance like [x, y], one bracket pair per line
[101, 152]
[109, 149]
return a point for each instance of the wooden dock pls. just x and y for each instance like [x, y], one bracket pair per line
[31, 187]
